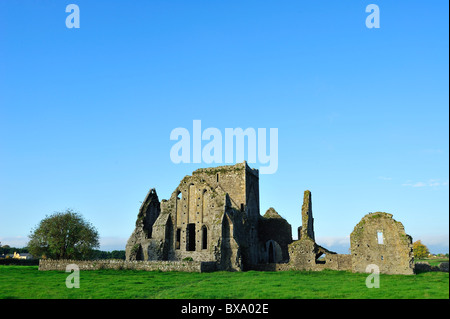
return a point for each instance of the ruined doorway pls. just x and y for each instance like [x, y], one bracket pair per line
[139, 253]
[271, 253]
[190, 237]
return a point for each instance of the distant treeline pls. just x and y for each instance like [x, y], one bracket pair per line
[115, 254]
[97, 254]
[6, 250]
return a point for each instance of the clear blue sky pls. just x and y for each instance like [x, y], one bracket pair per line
[362, 114]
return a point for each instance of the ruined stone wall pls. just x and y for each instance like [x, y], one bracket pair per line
[335, 262]
[252, 207]
[275, 234]
[379, 239]
[211, 216]
[192, 226]
[214, 216]
[307, 228]
[305, 254]
[185, 266]
[252, 214]
[137, 245]
[226, 179]
[196, 209]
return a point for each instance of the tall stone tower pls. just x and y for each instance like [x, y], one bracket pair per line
[307, 228]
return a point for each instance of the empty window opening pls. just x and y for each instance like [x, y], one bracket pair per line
[139, 253]
[321, 258]
[179, 196]
[190, 237]
[178, 239]
[242, 207]
[380, 237]
[204, 238]
[217, 178]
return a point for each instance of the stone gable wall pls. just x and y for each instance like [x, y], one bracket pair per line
[379, 239]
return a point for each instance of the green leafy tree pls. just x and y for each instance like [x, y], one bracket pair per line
[420, 250]
[63, 235]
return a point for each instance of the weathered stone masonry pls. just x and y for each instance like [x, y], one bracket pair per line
[379, 239]
[214, 216]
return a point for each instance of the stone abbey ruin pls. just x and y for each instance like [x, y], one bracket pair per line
[213, 217]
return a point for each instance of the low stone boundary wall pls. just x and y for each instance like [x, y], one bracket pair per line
[332, 262]
[424, 266]
[185, 266]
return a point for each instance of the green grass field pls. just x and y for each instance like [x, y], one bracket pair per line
[27, 282]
